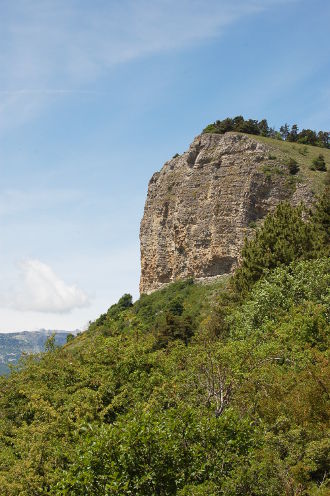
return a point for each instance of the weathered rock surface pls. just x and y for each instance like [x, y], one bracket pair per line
[200, 206]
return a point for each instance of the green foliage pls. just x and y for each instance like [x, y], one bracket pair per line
[321, 218]
[69, 338]
[261, 128]
[124, 302]
[293, 166]
[50, 344]
[303, 151]
[285, 236]
[303, 285]
[319, 164]
[192, 390]
[271, 170]
[114, 315]
[171, 328]
[239, 124]
[293, 134]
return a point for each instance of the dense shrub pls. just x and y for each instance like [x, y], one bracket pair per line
[319, 164]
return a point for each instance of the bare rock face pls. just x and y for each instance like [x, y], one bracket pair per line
[202, 204]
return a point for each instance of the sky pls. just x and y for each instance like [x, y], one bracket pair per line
[95, 95]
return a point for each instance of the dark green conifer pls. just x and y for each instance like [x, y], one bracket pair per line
[293, 166]
[284, 237]
[319, 163]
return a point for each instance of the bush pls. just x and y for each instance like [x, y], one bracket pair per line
[319, 164]
[293, 166]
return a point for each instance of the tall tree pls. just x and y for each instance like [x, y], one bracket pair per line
[284, 237]
[293, 134]
[284, 130]
[263, 127]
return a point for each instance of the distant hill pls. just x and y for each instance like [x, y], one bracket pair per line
[13, 344]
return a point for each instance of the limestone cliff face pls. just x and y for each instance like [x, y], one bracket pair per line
[201, 204]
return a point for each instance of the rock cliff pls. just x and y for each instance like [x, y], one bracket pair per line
[202, 205]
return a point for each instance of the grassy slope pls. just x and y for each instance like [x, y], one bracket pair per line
[304, 155]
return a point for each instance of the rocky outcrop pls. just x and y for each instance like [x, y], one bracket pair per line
[202, 205]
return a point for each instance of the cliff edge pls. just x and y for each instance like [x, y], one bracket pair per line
[203, 203]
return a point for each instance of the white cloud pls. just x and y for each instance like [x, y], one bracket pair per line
[49, 49]
[41, 290]
[106, 275]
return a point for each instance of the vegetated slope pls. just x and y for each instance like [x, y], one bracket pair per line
[203, 203]
[219, 389]
[304, 155]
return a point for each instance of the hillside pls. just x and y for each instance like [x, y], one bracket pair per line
[216, 389]
[304, 155]
[202, 204]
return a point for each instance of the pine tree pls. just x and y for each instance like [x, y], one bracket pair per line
[293, 166]
[293, 134]
[284, 237]
[321, 218]
[319, 163]
[284, 131]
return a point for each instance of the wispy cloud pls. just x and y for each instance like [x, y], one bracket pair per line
[51, 49]
[39, 289]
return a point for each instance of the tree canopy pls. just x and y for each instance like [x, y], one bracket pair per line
[286, 132]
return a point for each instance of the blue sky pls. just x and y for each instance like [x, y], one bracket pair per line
[95, 96]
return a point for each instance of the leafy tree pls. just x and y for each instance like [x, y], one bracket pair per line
[307, 136]
[175, 306]
[323, 138]
[124, 302]
[173, 327]
[50, 344]
[238, 122]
